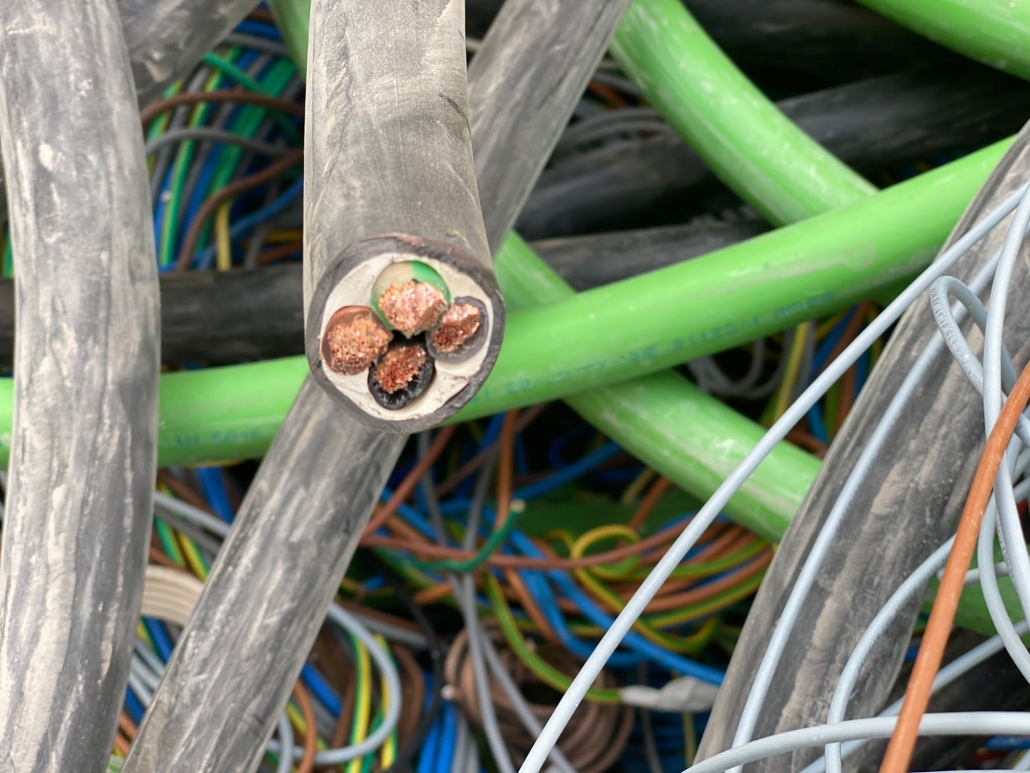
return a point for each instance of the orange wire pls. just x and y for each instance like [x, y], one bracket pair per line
[935, 638]
[307, 762]
[654, 494]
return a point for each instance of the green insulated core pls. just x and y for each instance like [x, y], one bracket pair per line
[410, 297]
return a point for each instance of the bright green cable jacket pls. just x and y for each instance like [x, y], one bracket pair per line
[995, 32]
[753, 147]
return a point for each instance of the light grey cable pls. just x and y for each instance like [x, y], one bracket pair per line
[493, 660]
[143, 673]
[1023, 763]
[258, 43]
[138, 686]
[828, 532]
[460, 745]
[1010, 529]
[992, 595]
[176, 507]
[203, 539]
[285, 742]
[385, 664]
[207, 134]
[711, 509]
[963, 723]
[152, 661]
[764, 390]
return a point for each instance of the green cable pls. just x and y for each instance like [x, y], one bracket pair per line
[226, 67]
[247, 123]
[543, 670]
[990, 31]
[293, 20]
[497, 537]
[753, 147]
[168, 542]
[180, 168]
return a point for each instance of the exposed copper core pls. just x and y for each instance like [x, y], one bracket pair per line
[412, 307]
[458, 324]
[353, 340]
[399, 367]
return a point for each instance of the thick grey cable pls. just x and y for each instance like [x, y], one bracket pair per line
[84, 451]
[204, 134]
[957, 723]
[814, 561]
[166, 38]
[707, 514]
[958, 345]
[183, 511]
[536, 52]
[914, 584]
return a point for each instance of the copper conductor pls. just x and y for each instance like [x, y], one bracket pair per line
[412, 307]
[458, 324]
[353, 340]
[399, 367]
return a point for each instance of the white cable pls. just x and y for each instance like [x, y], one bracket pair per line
[958, 723]
[650, 586]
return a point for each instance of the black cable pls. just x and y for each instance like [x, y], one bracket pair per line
[876, 126]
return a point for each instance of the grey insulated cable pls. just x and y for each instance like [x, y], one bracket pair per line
[404, 318]
[84, 454]
[542, 54]
[267, 605]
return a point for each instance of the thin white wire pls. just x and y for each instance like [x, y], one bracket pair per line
[649, 587]
[958, 723]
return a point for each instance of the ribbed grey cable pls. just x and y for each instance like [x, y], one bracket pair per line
[957, 723]
[84, 437]
[205, 134]
[708, 513]
[958, 345]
